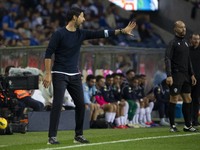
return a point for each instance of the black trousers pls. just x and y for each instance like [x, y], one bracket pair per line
[195, 101]
[73, 84]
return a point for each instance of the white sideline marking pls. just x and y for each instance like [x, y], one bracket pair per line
[3, 145]
[120, 141]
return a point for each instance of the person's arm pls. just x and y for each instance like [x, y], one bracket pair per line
[168, 57]
[5, 21]
[107, 33]
[53, 45]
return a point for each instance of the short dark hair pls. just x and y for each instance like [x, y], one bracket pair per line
[109, 76]
[193, 34]
[115, 74]
[90, 77]
[99, 77]
[134, 78]
[142, 75]
[121, 75]
[129, 71]
[8, 68]
[73, 11]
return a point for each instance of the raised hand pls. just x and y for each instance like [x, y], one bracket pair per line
[129, 28]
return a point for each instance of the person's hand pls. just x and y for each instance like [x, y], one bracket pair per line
[117, 86]
[47, 80]
[129, 28]
[169, 81]
[194, 81]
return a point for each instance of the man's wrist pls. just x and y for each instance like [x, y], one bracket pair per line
[121, 31]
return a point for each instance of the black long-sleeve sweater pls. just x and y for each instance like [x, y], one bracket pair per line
[66, 47]
[177, 57]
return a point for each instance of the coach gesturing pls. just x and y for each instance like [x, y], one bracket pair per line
[180, 75]
[65, 43]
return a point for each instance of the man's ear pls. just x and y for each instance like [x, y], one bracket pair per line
[74, 18]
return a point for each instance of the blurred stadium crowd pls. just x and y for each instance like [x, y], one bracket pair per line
[32, 22]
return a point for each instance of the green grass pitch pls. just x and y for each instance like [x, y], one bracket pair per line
[107, 139]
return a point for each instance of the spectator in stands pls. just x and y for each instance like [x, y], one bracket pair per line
[162, 95]
[85, 7]
[34, 40]
[89, 91]
[7, 23]
[12, 43]
[110, 18]
[77, 4]
[67, 5]
[36, 19]
[144, 33]
[97, 9]
[109, 108]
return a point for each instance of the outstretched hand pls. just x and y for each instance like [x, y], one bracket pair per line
[129, 28]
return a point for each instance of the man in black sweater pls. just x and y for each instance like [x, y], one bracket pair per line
[180, 75]
[195, 55]
[65, 43]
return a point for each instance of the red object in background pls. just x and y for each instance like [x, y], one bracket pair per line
[142, 68]
[33, 61]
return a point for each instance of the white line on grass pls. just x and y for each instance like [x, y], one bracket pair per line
[3, 145]
[120, 141]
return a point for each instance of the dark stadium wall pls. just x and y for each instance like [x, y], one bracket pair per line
[173, 10]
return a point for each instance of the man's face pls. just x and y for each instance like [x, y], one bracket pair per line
[91, 82]
[109, 81]
[195, 40]
[121, 80]
[82, 80]
[180, 29]
[134, 83]
[80, 19]
[116, 80]
[130, 75]
[143, 81]
[100, 83]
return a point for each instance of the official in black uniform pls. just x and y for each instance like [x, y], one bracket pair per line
[195, 59]
[180, 75]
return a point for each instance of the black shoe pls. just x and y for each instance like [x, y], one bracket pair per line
[53, 140]
[111, 125]
[190, 129]
[80, 139]
[173, 129]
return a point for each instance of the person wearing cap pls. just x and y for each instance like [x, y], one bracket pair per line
[7, 23]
